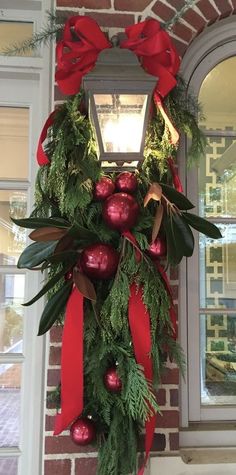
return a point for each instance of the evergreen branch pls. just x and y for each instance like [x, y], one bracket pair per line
[168, 25]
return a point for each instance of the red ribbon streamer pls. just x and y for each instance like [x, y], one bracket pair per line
[172, 312]
[41, 155]
[176, 180]
[128, 235]
[72, 357]
[139, 321]
[77, 58]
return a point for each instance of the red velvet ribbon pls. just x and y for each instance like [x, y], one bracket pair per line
[139, 321]
[172, 312]
[175, 177]
[41, 155]
[71, 358]
[77, 52]
[159, 57]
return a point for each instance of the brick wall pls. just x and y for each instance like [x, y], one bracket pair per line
[62, 457]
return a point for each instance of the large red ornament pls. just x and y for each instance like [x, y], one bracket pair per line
[83, 431]
[99, 261]
[112, 380]
[120, 211]
[158, 248]
[103, 188]
[126, 182]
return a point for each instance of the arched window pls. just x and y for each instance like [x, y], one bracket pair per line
[208, 280]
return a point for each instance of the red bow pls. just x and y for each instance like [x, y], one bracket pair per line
[77, 52]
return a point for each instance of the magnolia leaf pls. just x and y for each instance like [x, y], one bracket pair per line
[154, 193]
[202, 225]
[157, 222]
[35, 223]
[84, 285]
[174, 252]
[54, 307]
[183, 235]
[176, 197]
[65, 243]
[65, 256]
[35, 254]
[47, 234]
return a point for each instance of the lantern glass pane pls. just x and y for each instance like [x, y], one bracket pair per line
[121, 120]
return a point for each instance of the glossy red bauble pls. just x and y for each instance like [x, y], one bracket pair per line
[126, 182]
[99, 261]
[120, 211]
[158, 248]
[83, 431]
[103, 188]
[112, 380]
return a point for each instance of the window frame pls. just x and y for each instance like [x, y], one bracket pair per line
[210, 48]
[32, 73]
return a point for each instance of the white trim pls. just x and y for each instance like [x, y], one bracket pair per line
[216, 43]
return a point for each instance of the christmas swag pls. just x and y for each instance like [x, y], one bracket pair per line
[102, 239]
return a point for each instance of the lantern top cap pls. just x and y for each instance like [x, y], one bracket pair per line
[118, 64]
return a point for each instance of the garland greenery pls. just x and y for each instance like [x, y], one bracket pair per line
[66, 219]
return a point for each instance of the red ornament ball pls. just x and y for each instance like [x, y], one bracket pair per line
[126, 182]
[69, 275]
[99, 261]
[103, 188]
[83, 431]
[120, 211]
[112, 380]
[158, 248]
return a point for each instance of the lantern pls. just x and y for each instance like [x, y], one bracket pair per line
[119, 92]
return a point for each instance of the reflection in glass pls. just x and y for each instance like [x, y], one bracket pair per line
[121, 120]
[11, 312]
[14, 142]
[10, 382]
[218, 359]
[14, 32]
[218, 269]
[8, 465]
[12, 237]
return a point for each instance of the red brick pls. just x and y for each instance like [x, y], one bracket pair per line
[55, 355]
[131, 5]
[64, 445]
[54, 376]
[195, 20]
[174, 290]
[61, 467]
[177, 3]
[174, 440]
[117, 20]
[224, 7]
[174, 273]
[208, 10]
[234, 5]
[49, 423]
[50, 404]
[85, 3]
[159, 443]
[181, 47]
[174, 397]
[56, 334]
[161, 397]
[86, 466]
[183, 32]
[170, 376]
[168, 419]
[163, 11]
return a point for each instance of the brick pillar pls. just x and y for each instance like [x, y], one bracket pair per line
[62, 457]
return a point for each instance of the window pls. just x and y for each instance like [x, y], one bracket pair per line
[208, 279]
[23, 108]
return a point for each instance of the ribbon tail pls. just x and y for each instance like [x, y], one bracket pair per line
[175, 177]
[139, 321]
[41, 155]
[72, 357]
[173, 132]
[172, 312]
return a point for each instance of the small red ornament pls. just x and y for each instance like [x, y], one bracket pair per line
[120, 211]
[83, 431]
[126, 182]
[99, 261]
[112, 380]
[69, 275]
[103, 188]
[158, 248]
